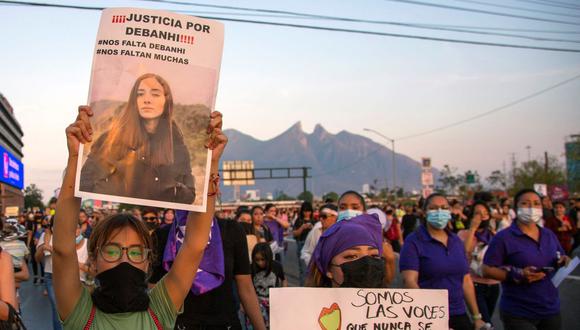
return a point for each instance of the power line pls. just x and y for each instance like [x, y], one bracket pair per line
[480, 11]
[382, 22]
[294, 15]
[356, 20]
[552, 4]
[506, 106]
[517, 8]
[398, 35]
[322, 28]
[506, 29]
[487, 113]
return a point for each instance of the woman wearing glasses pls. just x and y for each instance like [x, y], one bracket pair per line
[119, 252]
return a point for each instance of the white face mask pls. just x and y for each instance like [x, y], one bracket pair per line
[348, 214]
[530, 214]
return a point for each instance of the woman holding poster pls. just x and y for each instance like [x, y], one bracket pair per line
[143, 154]
[120, 253]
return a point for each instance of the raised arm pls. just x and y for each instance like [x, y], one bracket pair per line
[7, 286]
[470, 240]
[182, 273]
[67, 284]
[283, 222]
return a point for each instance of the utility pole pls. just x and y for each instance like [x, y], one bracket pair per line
[513, 171]
[546, 163]
[504, 174]
[529, 155]
[304, 177]
[394, 180]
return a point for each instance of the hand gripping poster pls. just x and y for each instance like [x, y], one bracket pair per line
[153, 85]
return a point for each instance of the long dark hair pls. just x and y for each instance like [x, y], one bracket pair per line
[128, 132]
[266, 252]
[305, 207]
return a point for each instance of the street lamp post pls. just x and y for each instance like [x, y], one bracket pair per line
[393, 149]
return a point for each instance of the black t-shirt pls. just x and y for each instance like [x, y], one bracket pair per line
[298, 223]
[218, 306]
[409, 224]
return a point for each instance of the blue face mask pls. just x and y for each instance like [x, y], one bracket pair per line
[438, 218]
[79, 238]
[348, 214]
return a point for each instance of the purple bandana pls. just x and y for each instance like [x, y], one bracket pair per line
[361, 230]
[211, 272]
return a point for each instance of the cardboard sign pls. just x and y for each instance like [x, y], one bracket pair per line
[541, 189]
[153, 85]
[358, 309]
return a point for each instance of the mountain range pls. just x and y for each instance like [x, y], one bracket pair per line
[338, 162]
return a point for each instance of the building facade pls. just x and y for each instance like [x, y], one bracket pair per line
[573, 163]
[11, 167]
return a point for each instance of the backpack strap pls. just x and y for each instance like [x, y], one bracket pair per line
[91, 318]
[151, 313]
[155, 319]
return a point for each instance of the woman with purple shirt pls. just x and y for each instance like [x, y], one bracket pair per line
[523, 257]
[476, 240]
[277, 226]
[434, 258]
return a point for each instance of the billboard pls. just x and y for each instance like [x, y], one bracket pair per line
[12, 169]
[238, 172]
[573, 164]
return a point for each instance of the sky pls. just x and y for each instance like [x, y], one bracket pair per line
[273, 76]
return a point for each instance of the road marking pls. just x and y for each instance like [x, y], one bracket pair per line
[572, 277]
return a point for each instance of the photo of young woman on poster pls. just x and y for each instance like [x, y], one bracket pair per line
[143, 154]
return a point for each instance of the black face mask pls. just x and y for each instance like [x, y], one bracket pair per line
[366, 272]
[152, 225]
[121, 289]
[484, 224]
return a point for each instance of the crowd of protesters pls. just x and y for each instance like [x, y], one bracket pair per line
[478, 250]
[141, 268]
[471, 249]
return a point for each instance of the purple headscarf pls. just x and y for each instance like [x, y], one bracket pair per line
[211, 272]
[361, 230]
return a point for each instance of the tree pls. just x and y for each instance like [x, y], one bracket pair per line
[448, 180]
[534, 171]
[332, 196]
[281, 196]
[497, 179]
[305, 196]
[124, 207]
[32, 197]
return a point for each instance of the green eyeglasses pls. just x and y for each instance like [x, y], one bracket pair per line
[113, 252]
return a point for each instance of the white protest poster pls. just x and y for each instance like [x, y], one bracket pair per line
[564, 272]
[358, 309]
[153, 85]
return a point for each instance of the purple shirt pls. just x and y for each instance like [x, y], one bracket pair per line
[511, 247]
[439, 266]
[276, 230]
